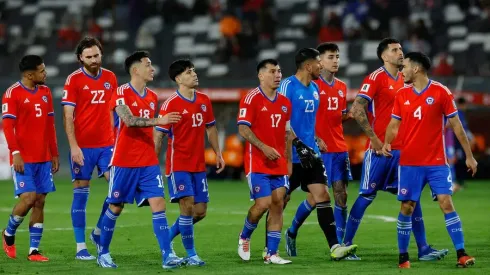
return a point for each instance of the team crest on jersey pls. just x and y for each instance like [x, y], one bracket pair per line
[21, 184]
[152, 105]
[341, 94]
[315, 95]
[107, 85]
[285, 109]
[429, 100]
[203, 108]
[45, 98]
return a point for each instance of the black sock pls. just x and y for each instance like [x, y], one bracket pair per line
[403, 258]
[9, 240]
[460, 253]
[266, 224]
[327, 222]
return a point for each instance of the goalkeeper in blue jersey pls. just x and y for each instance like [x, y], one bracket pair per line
[308, 171]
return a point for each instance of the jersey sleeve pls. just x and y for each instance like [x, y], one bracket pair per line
[285, 89]
[368, 88]
[448, 104]
[70, 92]
[9, 115]
[117, 98]
[53, 142]
[246, 114]
[344, 104]
[396, 113]
[210, 120]
[165, 109]
[9, 105]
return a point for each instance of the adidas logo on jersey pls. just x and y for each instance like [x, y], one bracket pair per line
[134, 104]
[406, 103]
[391, 87]
[184, 112]
[301, 97]
[323, 93]
[86, 87]
[26, 101]
[264, 109]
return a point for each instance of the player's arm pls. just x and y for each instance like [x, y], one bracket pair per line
[248, 134]
[359, 113]
[391, 133]
[158, 140]
[53, 141]
[69, 125]
[130, 120]
[212, 132]
[9, 116]
[463, 139]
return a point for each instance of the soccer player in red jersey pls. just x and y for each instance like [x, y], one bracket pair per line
[185, 165]
[135, 173]
[424, 109]
[27, 109]
[263, 120]
[88, 126]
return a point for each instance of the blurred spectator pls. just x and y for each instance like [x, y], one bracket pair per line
[247, 42]
[356, 14]
[201, 7]
[415, 44]
[267, 24]
[68, 34]
[230, 27]
[144, 39]
[94, 30]
[313, 26]
[173, 12]
[421, 30]
[251, 10]
[332, 31]
[3, 39]
[443, 66]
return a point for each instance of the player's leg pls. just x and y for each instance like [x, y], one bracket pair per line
[373, 172]
[260, 192]
[338, 177]
[103, 161]
[150, 187]
[81, 176]
[439, 178]
[25, 189]
[411, 182]
[318, 188]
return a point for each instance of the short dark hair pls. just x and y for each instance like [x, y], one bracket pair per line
[262, 64]
[327, 47]
[461, 100]
[420, 59]
[133, 58]
[383, 45]
[179, 66]
[304, 55]
[30, 63]
[87, 42]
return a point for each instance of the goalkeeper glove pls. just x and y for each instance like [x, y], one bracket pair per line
[306, 155]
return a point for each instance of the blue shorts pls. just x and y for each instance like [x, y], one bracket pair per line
[100, 157]
[379, 173]
[262, 185]
[188, 184]
[414, 178]
[139, 184]
[337, 166]
[37, 177]
[453, 172]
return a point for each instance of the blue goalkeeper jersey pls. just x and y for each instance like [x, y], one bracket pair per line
[304, 102]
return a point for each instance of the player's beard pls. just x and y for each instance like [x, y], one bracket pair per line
[92, 68]
[40, 82]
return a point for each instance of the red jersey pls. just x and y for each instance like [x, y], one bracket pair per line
[267, 119]
[91, 98]
[379, 88]
[28, 118]
[185, 150]
[333, 104]
[424, 115]
[134, 146]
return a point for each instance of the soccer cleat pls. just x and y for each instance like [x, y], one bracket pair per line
[275, 259]
[290, 244]
[95, 240]
[194, 261]
[35, 256]
[244, 248]
[10, 250]
[105, 261]
[431, 254]
[172, 261]
[404, 265]
[339, 252]
[352, 257]
[83, 255]
[465, 261]
[264, 253]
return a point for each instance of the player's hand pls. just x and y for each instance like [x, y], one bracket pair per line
[270, 152]
[220, 164]
[377, 145]
[77, 155]
[471, 164]
[18, 163]
[321, 145]
[170, 118]
[306, 155]
[290, 168]
[55, 165]
[386, 151]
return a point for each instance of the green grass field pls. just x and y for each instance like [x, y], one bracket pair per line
[135, 249]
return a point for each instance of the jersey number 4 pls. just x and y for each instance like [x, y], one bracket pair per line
[98, 97]
[418, 113]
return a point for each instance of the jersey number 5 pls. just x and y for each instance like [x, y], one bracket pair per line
[418, 113]
[98, 96]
